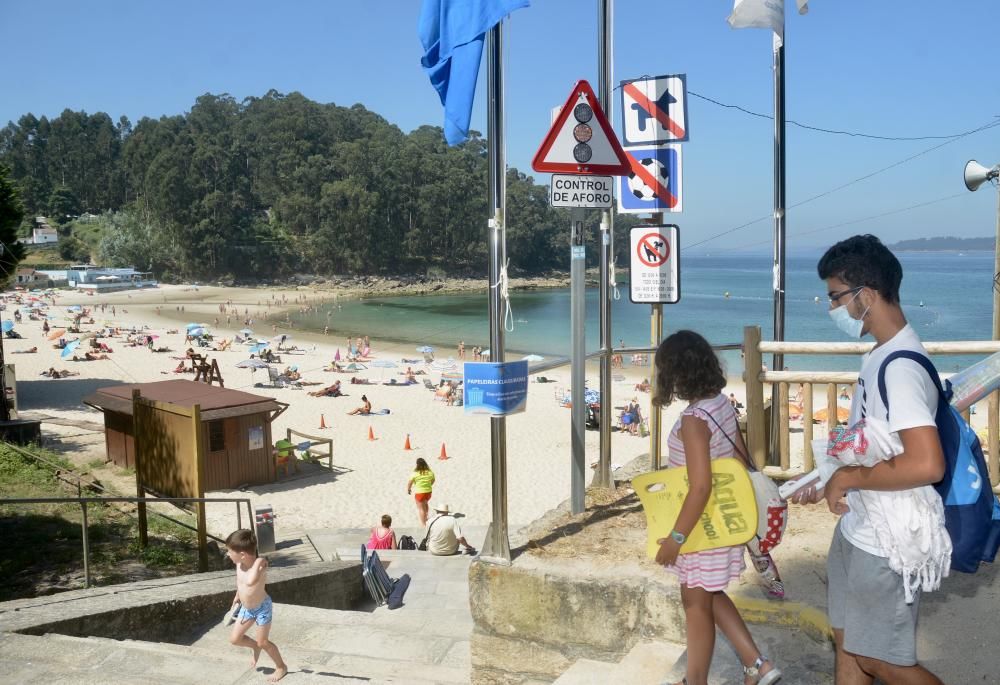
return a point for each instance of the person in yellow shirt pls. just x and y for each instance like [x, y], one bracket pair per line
[420, 485]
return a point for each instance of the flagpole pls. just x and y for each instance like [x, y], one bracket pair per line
[778, 284]
[602, 478]
[496, 548]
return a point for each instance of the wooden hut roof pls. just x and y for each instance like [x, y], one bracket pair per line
[216, 403]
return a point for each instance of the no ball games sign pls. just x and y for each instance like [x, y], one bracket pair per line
[654, 267]
[582, 191]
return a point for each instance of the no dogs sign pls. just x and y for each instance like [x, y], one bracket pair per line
[654, 267]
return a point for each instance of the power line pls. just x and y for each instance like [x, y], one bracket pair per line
[854, 221]
[819, 129]
[859, 179]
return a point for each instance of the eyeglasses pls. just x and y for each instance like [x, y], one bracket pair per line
[836, 296]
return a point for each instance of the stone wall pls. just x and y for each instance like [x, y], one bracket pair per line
[177, 609]
[535, 618]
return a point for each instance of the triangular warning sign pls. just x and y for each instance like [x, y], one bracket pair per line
[581, 140]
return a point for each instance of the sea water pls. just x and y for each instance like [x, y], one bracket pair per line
[945, 296]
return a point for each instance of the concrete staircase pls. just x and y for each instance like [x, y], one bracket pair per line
[802, 661]
[424, 642]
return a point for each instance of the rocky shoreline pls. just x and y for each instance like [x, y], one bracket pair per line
[411, 284]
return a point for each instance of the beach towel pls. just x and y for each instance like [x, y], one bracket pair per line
[909, 524]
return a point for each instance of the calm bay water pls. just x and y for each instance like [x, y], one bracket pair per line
[955, 290]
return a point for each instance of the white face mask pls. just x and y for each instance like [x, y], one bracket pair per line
[847, 323]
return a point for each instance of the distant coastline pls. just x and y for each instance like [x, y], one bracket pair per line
[944, 244]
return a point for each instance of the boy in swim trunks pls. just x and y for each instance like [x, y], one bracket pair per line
[251, 576]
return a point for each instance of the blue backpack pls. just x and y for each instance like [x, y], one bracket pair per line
[971, 510]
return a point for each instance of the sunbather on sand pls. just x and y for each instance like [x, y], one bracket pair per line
[364, 410]
[328, 391]
[90, 357]
[355, 380]
[56, 373]
[30, 350]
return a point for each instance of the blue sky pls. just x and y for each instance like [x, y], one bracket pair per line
[893, 68]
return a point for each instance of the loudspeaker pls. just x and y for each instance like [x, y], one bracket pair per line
[976, 174]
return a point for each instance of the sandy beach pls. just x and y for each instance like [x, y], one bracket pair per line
[374, 473]
[374, 483]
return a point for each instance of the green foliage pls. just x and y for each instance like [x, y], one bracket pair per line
[63, 204]
[11, 215]
[75, 250]
[274, 185]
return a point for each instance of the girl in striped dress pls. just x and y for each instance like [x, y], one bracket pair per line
[687, 369]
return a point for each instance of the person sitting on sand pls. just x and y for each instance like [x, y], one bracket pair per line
[410, 376]
[644, 386]
[364, 410]
[328, 391]
[444, 391]
[292, 373]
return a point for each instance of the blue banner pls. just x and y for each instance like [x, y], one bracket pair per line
[495, 389]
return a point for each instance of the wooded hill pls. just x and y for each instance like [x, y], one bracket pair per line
[279, 184]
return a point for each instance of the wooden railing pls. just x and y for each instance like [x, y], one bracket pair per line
[777, 462]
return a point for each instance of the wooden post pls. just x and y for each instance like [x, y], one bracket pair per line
[140, 491]
[784, 448]
[199, 456]
[831, 406]
[755, 395]
[994, 438]
[808, 460]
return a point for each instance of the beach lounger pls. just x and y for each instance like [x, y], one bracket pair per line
[429, 385]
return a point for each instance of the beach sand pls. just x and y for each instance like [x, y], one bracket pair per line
[373, 474]
[374, 482]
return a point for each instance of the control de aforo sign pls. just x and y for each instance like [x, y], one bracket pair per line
[582, 191]
[654, 267]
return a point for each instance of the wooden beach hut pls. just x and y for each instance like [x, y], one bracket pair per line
[235, 430]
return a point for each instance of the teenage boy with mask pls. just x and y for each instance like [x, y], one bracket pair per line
[874, 629]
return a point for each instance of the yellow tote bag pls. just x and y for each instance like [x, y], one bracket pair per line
[729, 519]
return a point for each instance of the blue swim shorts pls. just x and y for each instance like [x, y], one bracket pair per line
[262, 614]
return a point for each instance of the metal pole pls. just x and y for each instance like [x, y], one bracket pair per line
[655, 416]
[777, 361]
[578, 365]
[605, 48]
[996, 272]
[655, 336]
[496, 548]
[85, 536]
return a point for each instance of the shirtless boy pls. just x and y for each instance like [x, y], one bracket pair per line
[251, 576]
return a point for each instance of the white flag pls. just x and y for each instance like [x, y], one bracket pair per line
[762, 14]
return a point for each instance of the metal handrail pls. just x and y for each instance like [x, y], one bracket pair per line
[539, 367]
[84, 501]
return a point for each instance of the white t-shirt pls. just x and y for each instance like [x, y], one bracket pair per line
[913, 398]
[444, 535]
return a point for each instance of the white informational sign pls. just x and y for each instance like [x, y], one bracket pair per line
[654, 110]
[582, 191]
[654, 267]
[256, 438]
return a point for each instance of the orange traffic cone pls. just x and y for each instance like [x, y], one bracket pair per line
[407, 445]
[322, 422]
[444, 454]
[371, 433]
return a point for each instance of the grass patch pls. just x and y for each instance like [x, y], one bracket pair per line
[43, 550]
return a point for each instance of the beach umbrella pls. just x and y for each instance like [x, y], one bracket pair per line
[533, 358]
[383, 364]
[258, 348]
[192, 325]
[354, 366]
[196, 332]
[56, 333]
[426, 349]
[252, 364]
[843, 414]
[336, 357]
[486, 351]
[279, 338]
[444, 364]
[70, 346]
[7, 325]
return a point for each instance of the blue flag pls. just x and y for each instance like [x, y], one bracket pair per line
[452, 33]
